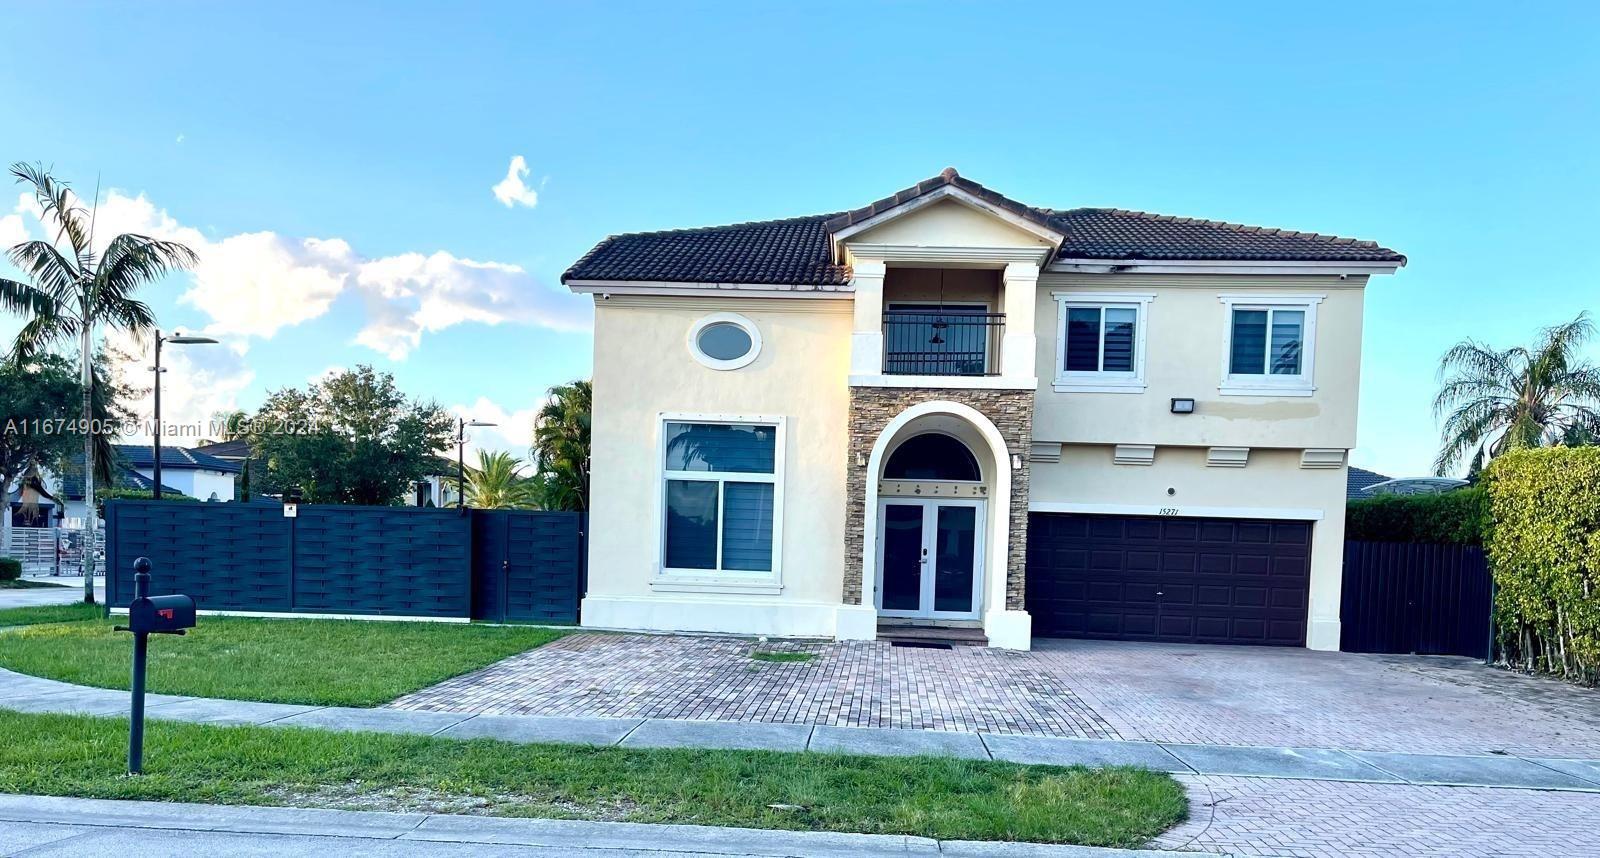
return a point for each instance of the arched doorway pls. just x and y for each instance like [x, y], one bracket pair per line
[933, 520]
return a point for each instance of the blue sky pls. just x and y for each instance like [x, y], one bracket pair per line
[1461, 135]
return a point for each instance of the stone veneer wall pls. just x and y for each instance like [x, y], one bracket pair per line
[871, 409]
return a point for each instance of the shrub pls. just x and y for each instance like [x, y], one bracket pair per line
[103, 495]
[10, 569]
[1544, 551]
[1457, 516]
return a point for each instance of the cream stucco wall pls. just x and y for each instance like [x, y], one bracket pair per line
[948, 224]
[1186, 338]
[642, 369]
[1272, 485]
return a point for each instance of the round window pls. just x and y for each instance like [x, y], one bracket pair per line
[725, 341]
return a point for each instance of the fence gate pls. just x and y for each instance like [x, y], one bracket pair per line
[1406, 597]
[527, 566]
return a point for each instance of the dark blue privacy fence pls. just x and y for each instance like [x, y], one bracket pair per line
[396, 561]
[1412, 597]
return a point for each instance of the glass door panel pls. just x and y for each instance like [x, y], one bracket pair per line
[903, 557]
[955, 558]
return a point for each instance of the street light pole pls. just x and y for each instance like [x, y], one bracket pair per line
[461, 458]
[177, 339]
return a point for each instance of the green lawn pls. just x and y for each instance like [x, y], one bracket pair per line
[320, 662]
[946, 798]
[48, 614]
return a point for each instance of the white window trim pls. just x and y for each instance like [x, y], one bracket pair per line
[1102, 382]
[718, 580]
[744, 324]
[1303, 384]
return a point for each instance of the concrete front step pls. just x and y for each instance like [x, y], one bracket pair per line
[932, 635]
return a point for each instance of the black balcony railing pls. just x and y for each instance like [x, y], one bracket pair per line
[942, 342]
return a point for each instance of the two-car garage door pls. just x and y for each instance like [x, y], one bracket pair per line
[1185, 580]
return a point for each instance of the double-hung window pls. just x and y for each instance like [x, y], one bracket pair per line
[1271, 344]
[721, 498]
[1100, 342]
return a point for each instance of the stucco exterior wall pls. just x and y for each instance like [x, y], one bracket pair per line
[1186, 338]
[1272, 480]
[643, 368]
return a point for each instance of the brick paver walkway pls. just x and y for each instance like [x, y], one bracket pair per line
[1324, 819]
[1156, 692]
[855, 684]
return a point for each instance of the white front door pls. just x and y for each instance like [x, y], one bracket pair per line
[930, 558]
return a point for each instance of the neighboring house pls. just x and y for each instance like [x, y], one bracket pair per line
[1357, 481]
[68, 489]
[196, 474]
[1415, 486]
[950, 408]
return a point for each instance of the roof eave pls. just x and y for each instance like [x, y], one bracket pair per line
[1092, 265]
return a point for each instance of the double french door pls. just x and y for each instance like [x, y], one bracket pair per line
[930, 558]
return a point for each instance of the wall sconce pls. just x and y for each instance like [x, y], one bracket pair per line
[861, 460]
[1016, 461]
[1183, 406]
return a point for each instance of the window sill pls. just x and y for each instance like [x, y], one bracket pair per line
[677, 584]
[1266, 390]
[1107, 386]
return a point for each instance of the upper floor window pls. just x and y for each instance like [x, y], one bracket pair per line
[1100, 342]
[1271, 343]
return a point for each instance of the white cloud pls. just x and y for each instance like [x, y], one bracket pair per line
[12, 231]
[179, 138]
[254, 284]
[512, 191]
[512, 432]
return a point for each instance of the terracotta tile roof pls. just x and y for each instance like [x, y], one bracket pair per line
[798, 253]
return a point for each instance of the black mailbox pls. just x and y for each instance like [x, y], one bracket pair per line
[161, 614]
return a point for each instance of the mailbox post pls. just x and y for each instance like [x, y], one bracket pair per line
[149, 615]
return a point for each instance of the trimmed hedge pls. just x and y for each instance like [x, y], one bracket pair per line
[1544, 551]
[10, 569]
[1460, 516]
[103, 495]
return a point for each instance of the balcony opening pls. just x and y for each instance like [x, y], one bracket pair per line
[942, 321]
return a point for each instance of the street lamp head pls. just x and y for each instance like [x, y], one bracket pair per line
[481, 423]
[187, 340]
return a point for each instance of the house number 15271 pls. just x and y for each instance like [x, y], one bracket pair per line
[1167, 510]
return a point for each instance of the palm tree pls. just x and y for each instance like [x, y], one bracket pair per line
[561, 445]
[1519, 397]
[498, 483]
[71, 294]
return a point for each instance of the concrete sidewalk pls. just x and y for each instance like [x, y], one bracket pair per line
[32, 694]
[66, 592]
[45, 826]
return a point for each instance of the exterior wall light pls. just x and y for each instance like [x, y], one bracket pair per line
[1183, 406]
[1016, 461]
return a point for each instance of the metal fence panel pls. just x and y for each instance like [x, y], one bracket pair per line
[528, 565]
[1405, 597]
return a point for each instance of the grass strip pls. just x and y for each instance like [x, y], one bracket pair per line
[924, 796]
[317, 662]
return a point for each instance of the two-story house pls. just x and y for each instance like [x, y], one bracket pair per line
[950, 409]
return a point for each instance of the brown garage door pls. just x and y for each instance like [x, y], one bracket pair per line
[1185, 580]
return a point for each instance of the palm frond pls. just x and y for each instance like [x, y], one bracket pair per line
[55, 202]
[51, 272]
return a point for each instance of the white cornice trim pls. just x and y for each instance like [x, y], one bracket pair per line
[1221, 266]
[743, 290]
[955, 194]
[1177, 510]
[949, 253]
[951, 382]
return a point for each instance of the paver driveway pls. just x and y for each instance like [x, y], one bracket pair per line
[1159, 692]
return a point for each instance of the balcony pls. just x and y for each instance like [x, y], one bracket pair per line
[950, 341]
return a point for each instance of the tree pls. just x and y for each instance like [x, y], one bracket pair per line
[561, 446]
[498, 483]
[74, 293]
[351, 438]
[1520, 397]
